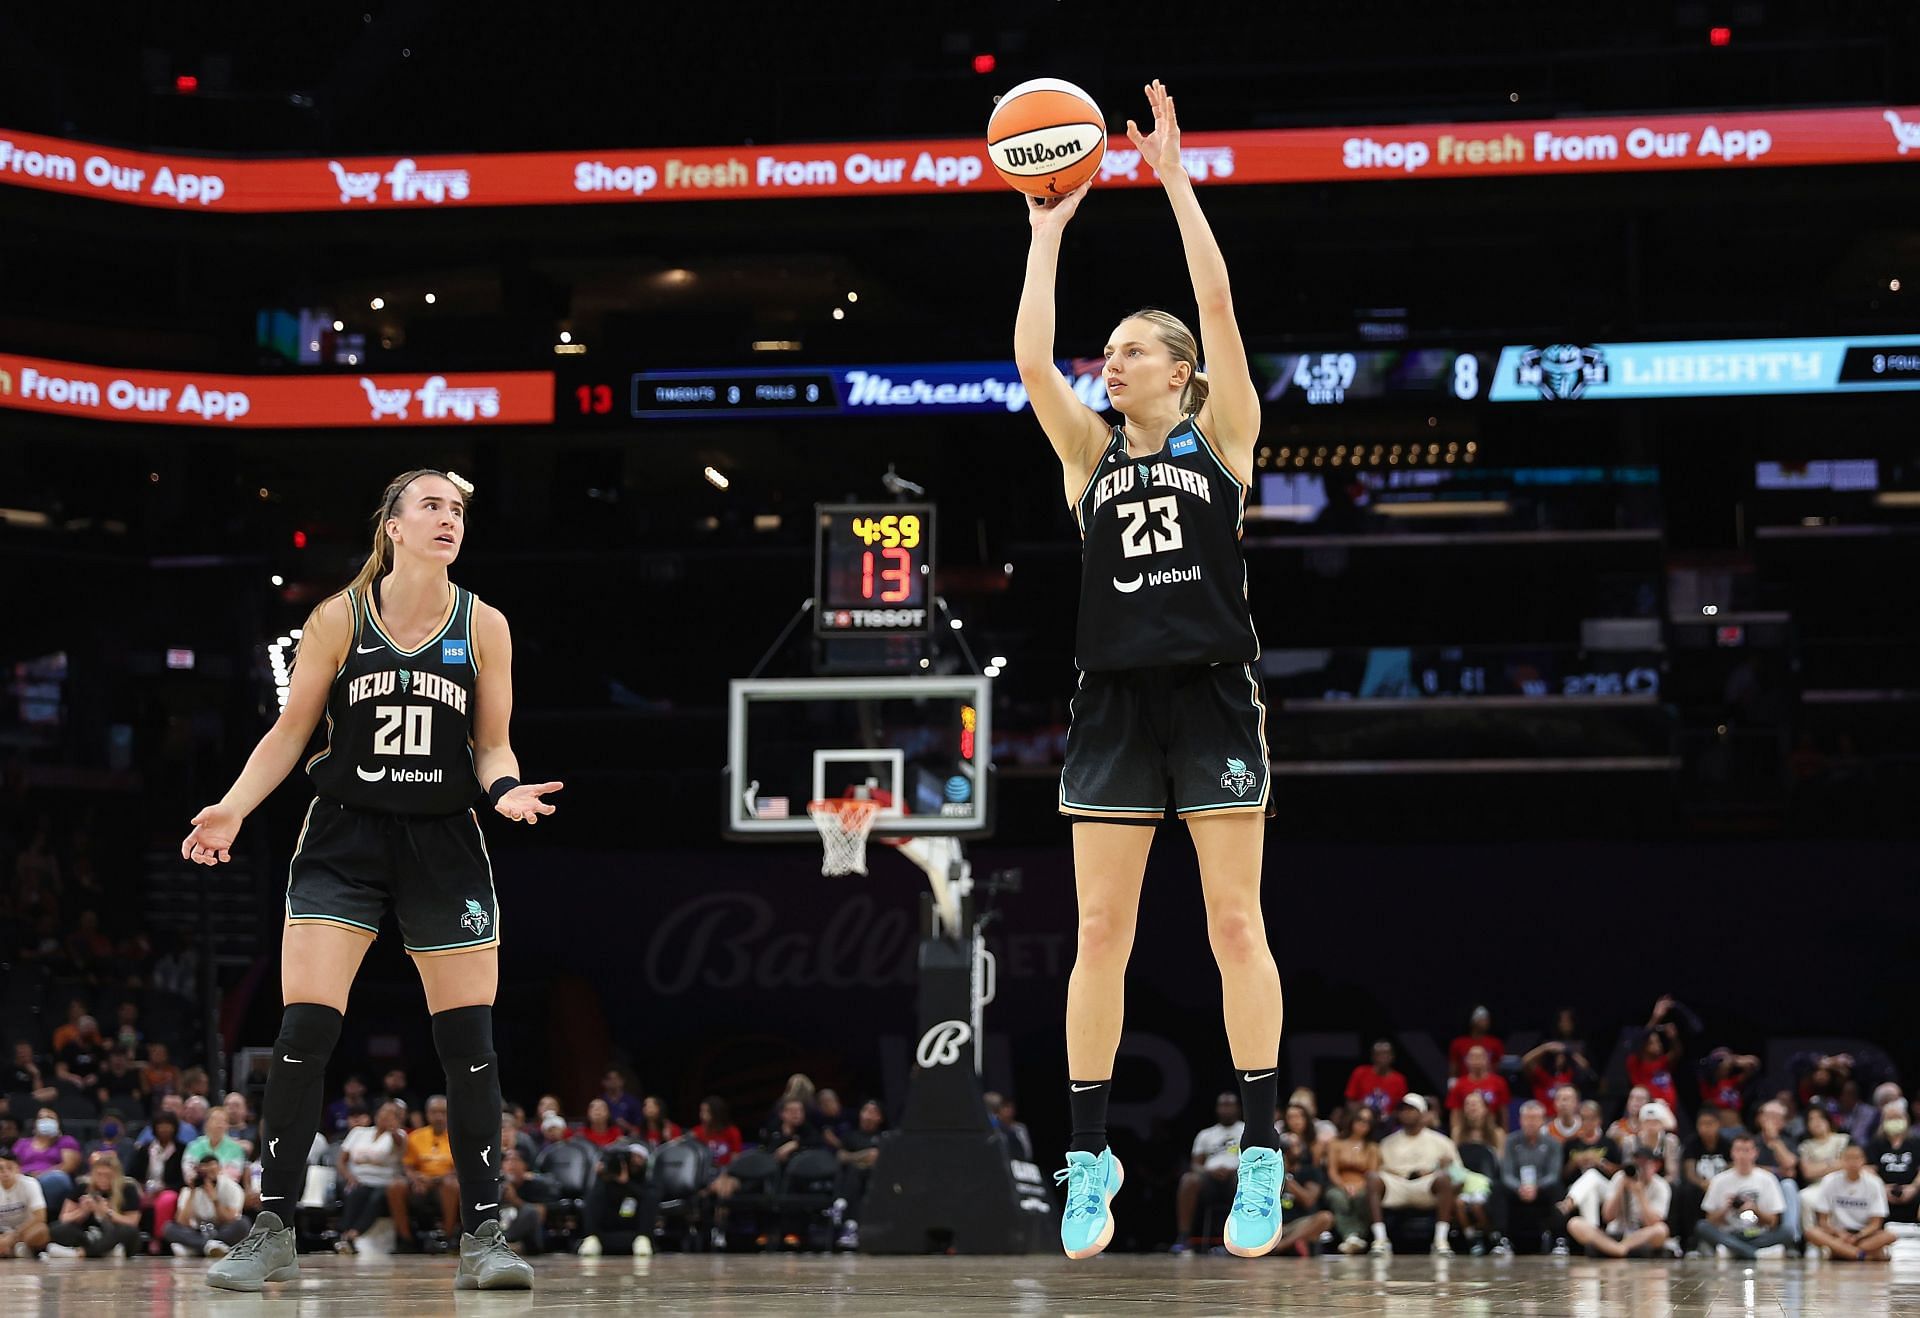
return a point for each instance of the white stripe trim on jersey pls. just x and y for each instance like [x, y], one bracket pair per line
[291, 861]
[453, 611]
[492, 938]
[1098, 463]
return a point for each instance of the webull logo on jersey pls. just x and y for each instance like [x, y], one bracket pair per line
[1173, 576]
[1238, 779]
[1150, 475]
[425, 686]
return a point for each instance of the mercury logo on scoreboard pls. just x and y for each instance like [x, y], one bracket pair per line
[873, 569]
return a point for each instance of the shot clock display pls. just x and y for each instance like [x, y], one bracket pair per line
[873, 569]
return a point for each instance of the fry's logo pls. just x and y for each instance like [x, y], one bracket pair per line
[6, 382]
[438, 401]
[406, 180]
[1906, 134]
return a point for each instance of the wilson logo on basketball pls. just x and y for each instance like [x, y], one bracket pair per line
[1044, 150]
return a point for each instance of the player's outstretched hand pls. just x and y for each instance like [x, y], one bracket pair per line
[211, 842]
[1053, 212]
[1161, 147]
[523, 803]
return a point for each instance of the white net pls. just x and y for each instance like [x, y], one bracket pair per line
[844, 824]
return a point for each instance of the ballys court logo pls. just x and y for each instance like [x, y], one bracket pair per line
[941, 1045]
[1561, 371]
[1238, 779]
[475, 919]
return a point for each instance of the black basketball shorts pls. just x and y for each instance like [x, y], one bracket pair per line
[1191, 740]
[433, 870]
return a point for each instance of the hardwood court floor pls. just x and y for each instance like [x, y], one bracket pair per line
[760, 1286]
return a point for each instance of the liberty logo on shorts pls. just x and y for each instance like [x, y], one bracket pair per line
[475, 919]
[1238, 779]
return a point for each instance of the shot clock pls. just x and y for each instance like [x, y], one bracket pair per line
[873, 569]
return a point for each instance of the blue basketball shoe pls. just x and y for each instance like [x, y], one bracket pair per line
[1253, 1227]
[1086, 1223]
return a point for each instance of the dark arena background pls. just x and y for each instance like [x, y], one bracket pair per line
[1581, 545]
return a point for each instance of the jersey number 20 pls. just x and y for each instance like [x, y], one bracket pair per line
[403, 730]
[1139, 537]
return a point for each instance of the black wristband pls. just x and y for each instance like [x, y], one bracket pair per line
[501, 786]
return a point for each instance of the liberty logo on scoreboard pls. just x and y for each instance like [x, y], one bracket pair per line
[1561, 371]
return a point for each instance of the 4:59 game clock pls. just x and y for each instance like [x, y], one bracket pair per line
[873, 569]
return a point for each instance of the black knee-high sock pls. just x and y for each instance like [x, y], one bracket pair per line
[464, 1039]
[1088, 1099]
[290, 1113]
[1259, 1095]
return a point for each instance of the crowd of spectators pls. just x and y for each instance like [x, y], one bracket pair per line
[1517, 1155]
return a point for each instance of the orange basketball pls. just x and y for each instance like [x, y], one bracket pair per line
[1046, 137]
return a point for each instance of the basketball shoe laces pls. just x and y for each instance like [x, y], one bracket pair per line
[1260, 1186]
[1082, 1198]
[250, 1247]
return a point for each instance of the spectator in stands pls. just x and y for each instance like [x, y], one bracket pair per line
[207, 1219]
[23, 1209]
[240, 1124]
[1627, 1124]
[1566, 1035]
[791, 1133]
[1725, 1079]
[799, 1086]
[859, 1150]
[121, 1085]
[1476, 1077]
[161, 1075]
[102, 1219]
[1213, 1168]
[372, 1159]
[1893, 1154]
[1351, 1157]
[1864, 1127]
[717, 1131]
[353, 1098]
[52, 1157]
[9, 1130]
[1297, 1123]
[1377, 1084]
[1323, 1129]
[112, 1136]
[1744, 1207]
[1853, 1225]
[169, 1106]
[177, 970]
[1549, 1068]
[26, 1077]
[1480, 1137]
[429, 1174]
[69, 1030]
[623, 1109]
[1651, 1065]
[77, 1066]
[524, 1196]
[832, 1116]
[1702, 1158]
[1303, 1216]
[1019, 1139]
[1628, 1218]
[599, 1128]
[1775, 1152]
[1567, 1119]
[159, 1167]
[216, 1141]
[513, 1138]
[1820, 1151]
[1479, 1035]
[554, 1129]
[194, 1083]
[1656, 1132]
[394, 1087]
[1589, 1148]
[1530, 1169]
[1821, 1078]
[1414, 1173]
[620, 1207]
[655, 1127]
[1477, 1122]
[127, 1034]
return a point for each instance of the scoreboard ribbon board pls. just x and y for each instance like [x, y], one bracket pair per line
[873, 569]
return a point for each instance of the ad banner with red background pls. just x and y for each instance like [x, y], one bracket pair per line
[1872, 135]
[190, 398]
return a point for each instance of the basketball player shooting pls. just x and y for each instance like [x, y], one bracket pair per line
[415, 678]
[1169, 714]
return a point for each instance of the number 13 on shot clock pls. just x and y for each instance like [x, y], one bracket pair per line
[873, 569]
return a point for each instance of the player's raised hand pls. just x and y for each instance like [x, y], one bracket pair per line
[1052, 213]
[211, 842]
[523, 803]
[1161, 147]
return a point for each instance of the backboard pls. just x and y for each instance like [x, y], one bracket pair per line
[923, 741]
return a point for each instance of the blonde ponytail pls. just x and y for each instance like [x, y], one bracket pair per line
[1184, 347]
[380, 560]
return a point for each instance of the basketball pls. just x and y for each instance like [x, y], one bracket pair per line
[1046, 137]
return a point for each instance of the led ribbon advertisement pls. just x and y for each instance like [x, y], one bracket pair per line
[1869, 135]
[1564, 372]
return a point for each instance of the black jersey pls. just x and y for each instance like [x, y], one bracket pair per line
[1162, 579]
[400, 722]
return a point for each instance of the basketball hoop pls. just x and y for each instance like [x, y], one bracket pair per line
[844, 823]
